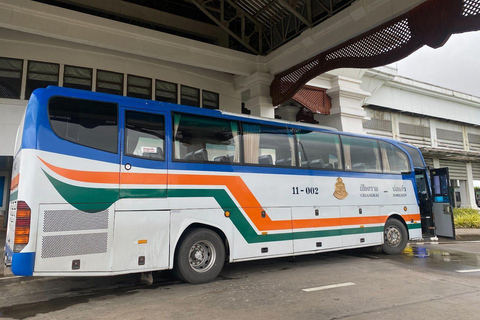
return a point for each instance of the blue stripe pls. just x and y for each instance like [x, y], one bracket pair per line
[37, 125]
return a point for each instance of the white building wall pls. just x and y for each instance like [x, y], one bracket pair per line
[19, 45]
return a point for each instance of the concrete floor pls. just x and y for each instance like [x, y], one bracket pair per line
[424, 282]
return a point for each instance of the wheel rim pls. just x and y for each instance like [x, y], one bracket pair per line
[393, 236]
[202, 256]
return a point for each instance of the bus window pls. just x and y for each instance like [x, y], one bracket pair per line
[268, 145]
[415, 155]
[361, 154]
[318, 150]
[205, 139]
[89, 123]
[144, 135]
[394, 160]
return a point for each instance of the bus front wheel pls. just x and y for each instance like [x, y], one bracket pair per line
[200, 256]
[395, 237]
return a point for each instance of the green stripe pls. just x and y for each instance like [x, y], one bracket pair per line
[97, 199]
[14, 196]
[414, 226]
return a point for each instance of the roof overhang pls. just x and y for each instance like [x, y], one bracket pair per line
[430, 23]
[451, 154]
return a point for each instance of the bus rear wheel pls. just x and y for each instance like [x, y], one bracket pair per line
[395, 237]
[200, 256]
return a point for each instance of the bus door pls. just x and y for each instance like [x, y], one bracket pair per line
[442, 203]
[425, 202]
[141, 231]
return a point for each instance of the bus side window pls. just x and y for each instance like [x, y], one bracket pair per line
[205, 139]
[144, 135]
[361, 154]
[85, 122]
[268, 145]
[394, 160]
[319, 150]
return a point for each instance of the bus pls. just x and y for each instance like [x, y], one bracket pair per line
[107, 185]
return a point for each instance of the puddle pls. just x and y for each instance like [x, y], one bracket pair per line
[439, 259]
[26, 310]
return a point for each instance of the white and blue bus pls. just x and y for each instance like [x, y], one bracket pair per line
[107, 185]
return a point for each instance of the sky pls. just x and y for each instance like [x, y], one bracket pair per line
[455, 66]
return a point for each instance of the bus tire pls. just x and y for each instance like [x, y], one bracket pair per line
[395, 237]
[200, 256]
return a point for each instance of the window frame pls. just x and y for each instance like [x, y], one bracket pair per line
[27, 97]
[181, 96]
[20, 78]
[128, 85]
[176, 91]
[83, 145]
[72, 66]
[123, 82]
[203, 100]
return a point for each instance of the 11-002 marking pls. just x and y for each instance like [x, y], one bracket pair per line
[306, 190]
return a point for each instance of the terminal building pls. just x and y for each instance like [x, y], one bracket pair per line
[283, 59]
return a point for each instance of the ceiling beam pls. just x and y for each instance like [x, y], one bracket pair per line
[292, 10]
[221, 25]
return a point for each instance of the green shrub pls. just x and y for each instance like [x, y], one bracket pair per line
[466, 218]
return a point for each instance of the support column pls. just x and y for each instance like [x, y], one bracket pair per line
[259, 101]
[347, 111]
[470, 192]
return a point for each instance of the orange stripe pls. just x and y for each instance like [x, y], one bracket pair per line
[346, 221]
[85, 176]
[109, 177]
[15, 181]
[237, 187]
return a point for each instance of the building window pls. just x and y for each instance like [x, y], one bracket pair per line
[210, 100]
[77, 78]
[166, 91]
[10, 78]
[139, 87]
[41, 75]
[110, 82]
[190, 96]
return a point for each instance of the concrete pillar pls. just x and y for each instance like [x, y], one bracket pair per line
[395, 126]
[433, 133]
[347, 111]
[259, 101]
[470, 190]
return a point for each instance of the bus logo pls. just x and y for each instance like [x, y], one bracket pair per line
[340, 191]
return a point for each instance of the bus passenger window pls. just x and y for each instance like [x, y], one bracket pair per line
[86, 122]
[361, 154]
[144, 135]
[268, 146]
[205, 139]
[319, 150]
[394, 160]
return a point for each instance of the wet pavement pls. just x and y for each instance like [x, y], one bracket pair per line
[429, 280]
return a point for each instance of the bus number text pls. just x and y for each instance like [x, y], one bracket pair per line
[307, 190]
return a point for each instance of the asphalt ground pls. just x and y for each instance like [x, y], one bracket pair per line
[429, 280]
